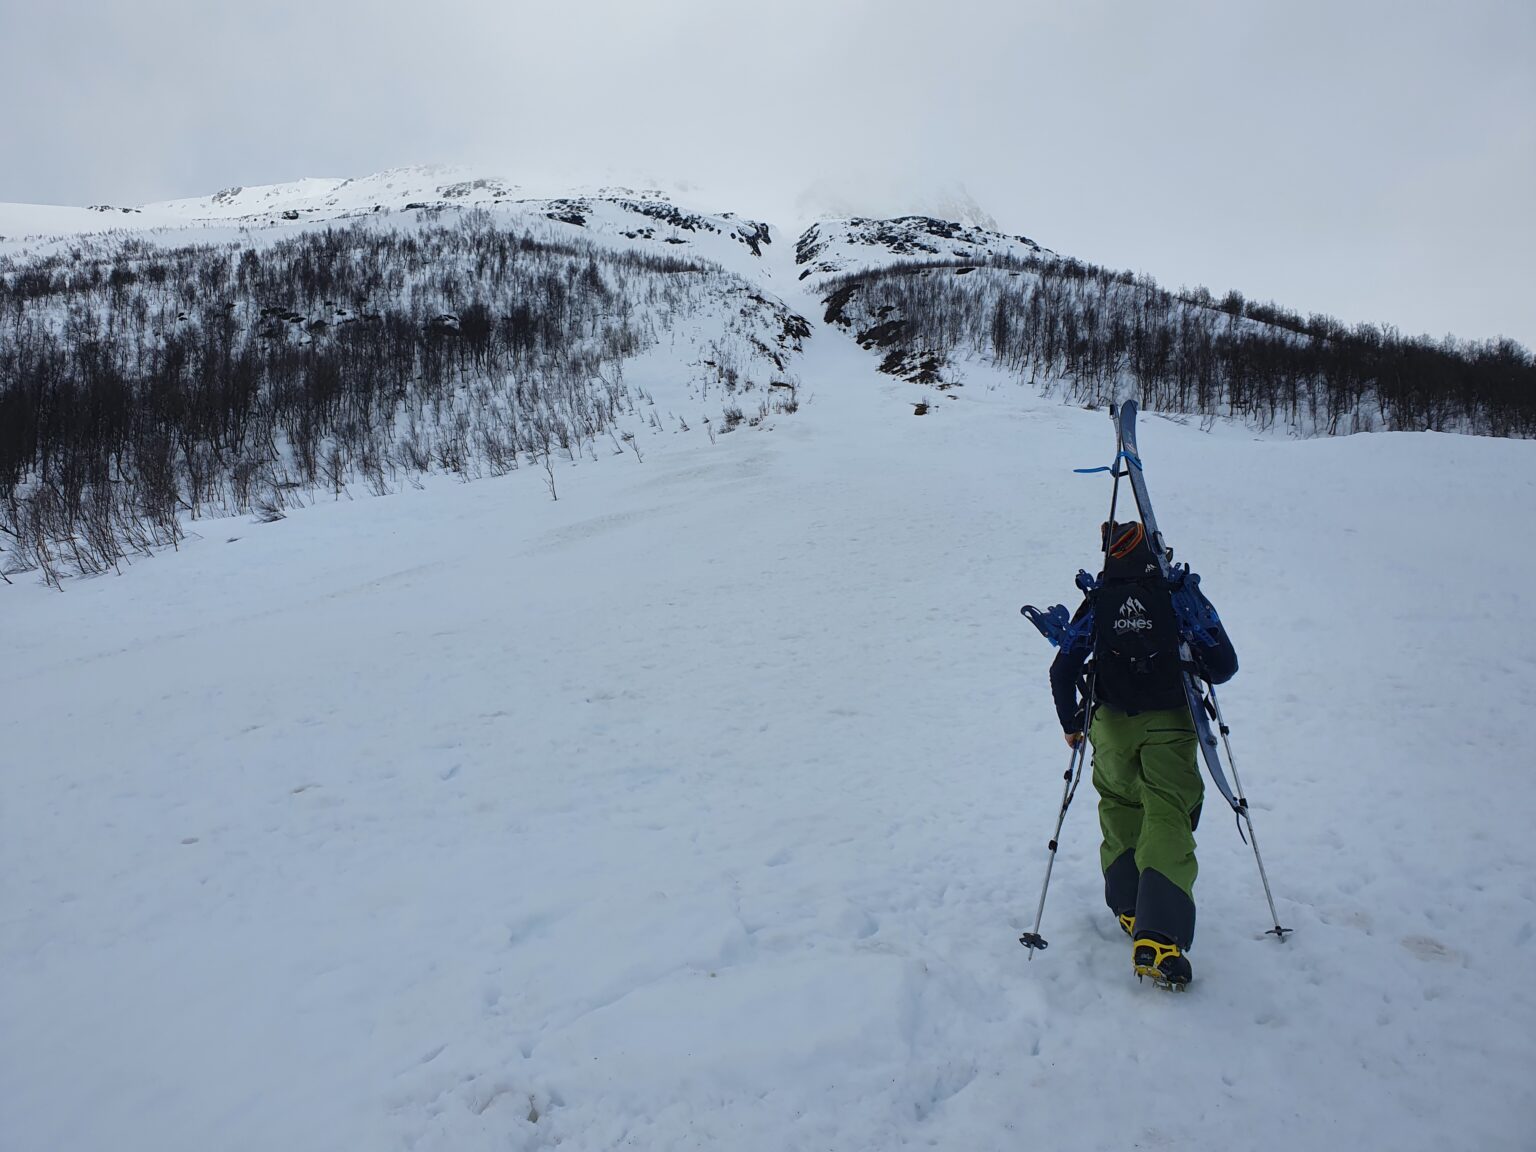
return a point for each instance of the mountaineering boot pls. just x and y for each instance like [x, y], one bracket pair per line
[1165, 964]
[1164, 910]
[1127, 923]
[1121, 876]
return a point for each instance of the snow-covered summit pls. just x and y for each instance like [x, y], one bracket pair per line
[841, 198]
[835, 246]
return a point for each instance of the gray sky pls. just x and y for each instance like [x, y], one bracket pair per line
[1373, 159]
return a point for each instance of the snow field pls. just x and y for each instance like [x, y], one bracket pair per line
[703, 807]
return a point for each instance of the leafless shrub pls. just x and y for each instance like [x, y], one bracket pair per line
[549, 475]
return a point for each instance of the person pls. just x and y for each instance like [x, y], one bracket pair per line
[1124, 666]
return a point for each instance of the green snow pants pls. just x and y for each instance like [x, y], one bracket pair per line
[1147, 775]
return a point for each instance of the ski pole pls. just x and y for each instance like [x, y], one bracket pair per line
[1033, 940]
[1242, 807]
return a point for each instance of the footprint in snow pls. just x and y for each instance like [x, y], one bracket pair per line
[1428, 948]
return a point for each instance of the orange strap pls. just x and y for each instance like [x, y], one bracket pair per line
[1128, 541]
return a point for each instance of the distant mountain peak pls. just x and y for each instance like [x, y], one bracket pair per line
[842, 199]
[833, 246]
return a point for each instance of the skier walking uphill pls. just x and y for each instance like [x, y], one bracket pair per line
[1126, 638]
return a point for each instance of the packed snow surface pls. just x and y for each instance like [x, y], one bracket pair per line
[703, 807]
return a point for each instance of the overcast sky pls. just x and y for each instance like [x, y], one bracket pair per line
[1373, 159]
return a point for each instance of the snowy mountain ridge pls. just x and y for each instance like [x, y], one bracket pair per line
[617, 212]
[395, 188]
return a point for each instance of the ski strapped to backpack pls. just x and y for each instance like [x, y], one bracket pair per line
[1136, 474]
[1197, 624]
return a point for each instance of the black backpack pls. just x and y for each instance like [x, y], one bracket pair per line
[1136, 660]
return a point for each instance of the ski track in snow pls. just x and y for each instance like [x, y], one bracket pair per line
[703, 807]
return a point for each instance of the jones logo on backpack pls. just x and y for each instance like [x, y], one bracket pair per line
[1133, 617]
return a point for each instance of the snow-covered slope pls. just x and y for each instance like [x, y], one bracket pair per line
[703, 807]
[553, 308]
